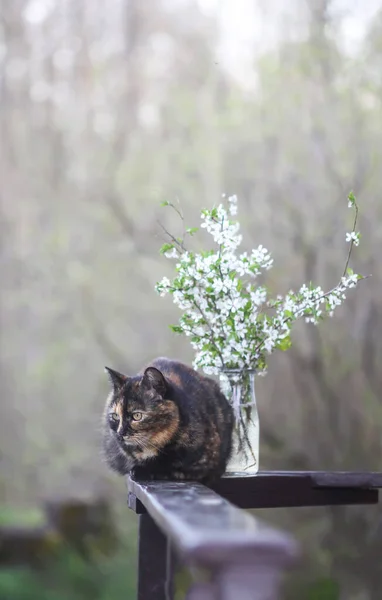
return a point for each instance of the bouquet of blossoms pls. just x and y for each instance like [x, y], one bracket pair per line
[233, 323]
[230, 318]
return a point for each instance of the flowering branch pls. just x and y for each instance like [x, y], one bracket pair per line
[225, 313]
[211, 332]
[352, 237]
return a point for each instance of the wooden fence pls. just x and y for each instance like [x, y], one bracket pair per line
[231, 554]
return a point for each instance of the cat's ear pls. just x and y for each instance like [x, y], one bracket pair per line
[117, 380]
[153, 379]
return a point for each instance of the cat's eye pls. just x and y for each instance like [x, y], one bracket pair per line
[114, 417]
[137, 416]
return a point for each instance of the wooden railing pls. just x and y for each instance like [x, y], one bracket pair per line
[231, 554]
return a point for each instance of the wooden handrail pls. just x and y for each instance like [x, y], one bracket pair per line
[209, 532]
[276, 489]
[244, 557]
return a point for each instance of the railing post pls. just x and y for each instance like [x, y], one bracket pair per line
[250, 581]
[257, 580]
[202, 591]
[241, 582]
[155, 577]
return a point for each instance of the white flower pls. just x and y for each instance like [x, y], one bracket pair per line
[232, 201]
[289, 304]
[353, 236]
[258, 296]
[240, 329]
[352, 281]
[173, 253]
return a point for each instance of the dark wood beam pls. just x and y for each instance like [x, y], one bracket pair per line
[277, 489]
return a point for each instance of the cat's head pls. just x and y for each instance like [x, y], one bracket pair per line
[140, 411]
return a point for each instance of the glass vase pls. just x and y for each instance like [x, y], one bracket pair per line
[239, 388]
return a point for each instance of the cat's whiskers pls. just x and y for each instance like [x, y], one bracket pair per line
[147, 444]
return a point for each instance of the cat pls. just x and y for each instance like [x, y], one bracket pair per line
[167, 422]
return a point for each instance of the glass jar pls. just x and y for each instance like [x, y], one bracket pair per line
[239, 388]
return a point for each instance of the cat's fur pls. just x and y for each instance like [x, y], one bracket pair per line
[184, 427]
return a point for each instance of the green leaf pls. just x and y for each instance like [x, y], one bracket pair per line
[166, 248]
[349, 271]
[288, 314]
[176, 328]
[247, 307]
[285, 343]
[192, 230]
[351, 198]
[165, 203]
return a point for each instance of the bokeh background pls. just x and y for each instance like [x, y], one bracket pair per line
[109, 108]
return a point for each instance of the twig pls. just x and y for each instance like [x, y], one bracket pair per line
[352, 241]
[174, 239]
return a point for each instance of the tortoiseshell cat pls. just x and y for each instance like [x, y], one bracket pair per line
[168, 422]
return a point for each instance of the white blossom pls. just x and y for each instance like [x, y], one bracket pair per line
[353, 236]
[230, 321]
[232, 201]
[173, 253]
